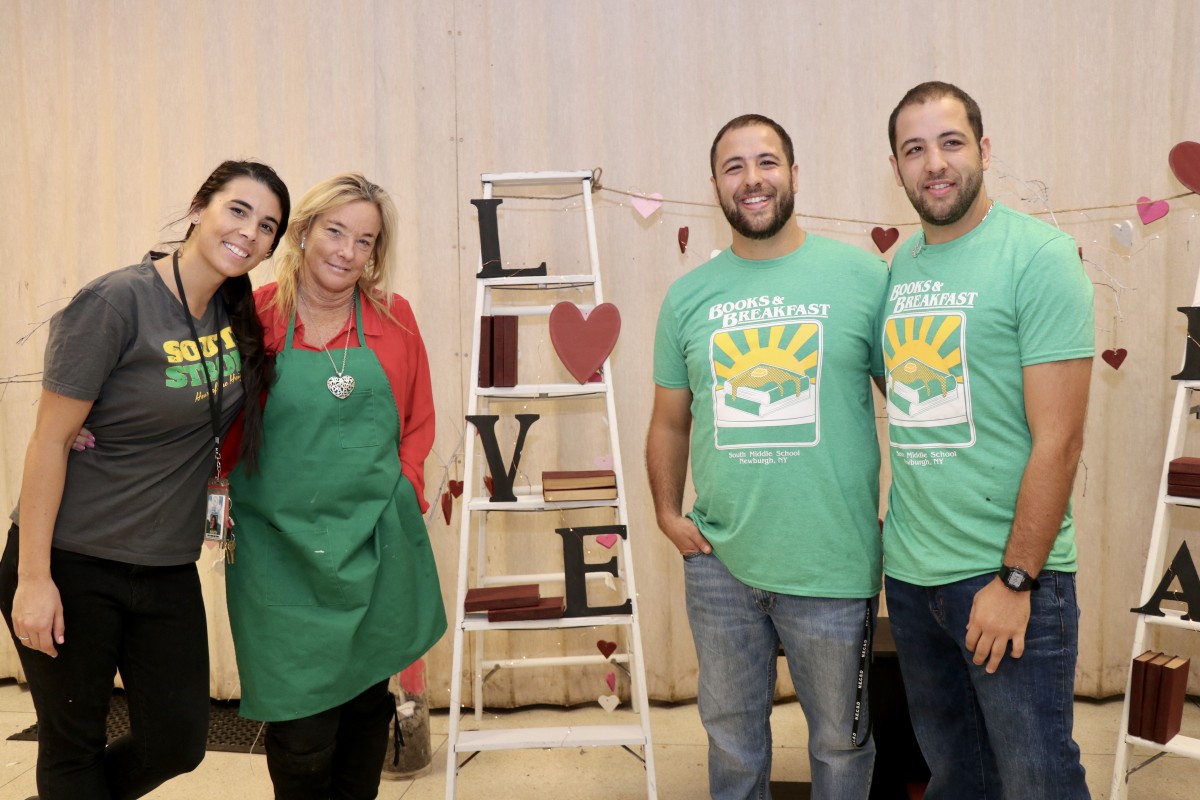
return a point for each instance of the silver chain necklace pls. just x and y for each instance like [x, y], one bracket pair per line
[341, 384]
[919, 246]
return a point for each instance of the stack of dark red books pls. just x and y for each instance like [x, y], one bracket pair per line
[1183, 477]
[1157, 690]
[498, 351]
[510, 603]
[582, 484]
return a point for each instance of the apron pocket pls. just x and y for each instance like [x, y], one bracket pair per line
[356, 420]
[301, 571]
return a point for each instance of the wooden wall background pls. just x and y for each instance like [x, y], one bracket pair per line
[112, 112]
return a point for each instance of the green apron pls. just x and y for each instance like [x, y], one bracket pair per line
[334, 586]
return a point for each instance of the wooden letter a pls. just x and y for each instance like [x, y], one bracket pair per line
[575, 571]
[1183, 568]
[502, 479]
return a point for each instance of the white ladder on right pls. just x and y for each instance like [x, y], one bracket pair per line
[1155, 563]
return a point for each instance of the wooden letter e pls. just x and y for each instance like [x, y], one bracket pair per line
[575, 571]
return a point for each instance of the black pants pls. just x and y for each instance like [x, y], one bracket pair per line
[334, 755]
[146, 622]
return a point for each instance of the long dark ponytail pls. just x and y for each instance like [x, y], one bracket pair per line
[258, 367]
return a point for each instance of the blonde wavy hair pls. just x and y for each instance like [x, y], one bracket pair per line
[376, 280]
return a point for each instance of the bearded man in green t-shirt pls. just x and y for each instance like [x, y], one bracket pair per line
[762, 359]
[987, 339]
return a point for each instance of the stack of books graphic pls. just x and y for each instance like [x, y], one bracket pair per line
[764, 388]
[511, 603]
[917, 386]
[1183, 477]
[595, 484]
[1157, 690]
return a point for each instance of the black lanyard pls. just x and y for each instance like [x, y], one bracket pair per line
[214, 391]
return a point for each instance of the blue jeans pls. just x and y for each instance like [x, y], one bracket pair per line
[146, 622]
[1005, 735]
[737, 630]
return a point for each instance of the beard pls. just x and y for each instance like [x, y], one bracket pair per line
[969, 185]
[785, 205]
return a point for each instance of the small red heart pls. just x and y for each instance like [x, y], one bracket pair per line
[487, 482]
[611, 680]
[1185, 163]
[606, 648]
[447, 506]
[884, 238]
[456, 488]
[582, 343]
[683, 239]
[1115, 357]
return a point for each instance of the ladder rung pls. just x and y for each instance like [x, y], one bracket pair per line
[542, 391]
[534, 178]
[538, 281]
[1173, 619]
[1179, 745]
[568, 736]
[481, 623]
[551, 661]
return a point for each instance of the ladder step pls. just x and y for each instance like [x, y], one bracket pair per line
[538, 281]
[531, 502]
[1182, 501]
[552, 661]
[480, 623]
[534, 391]
[1179, 745]
[1173, 619]
[534, 178]
[539, 738]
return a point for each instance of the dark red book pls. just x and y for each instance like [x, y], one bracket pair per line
[546, 608]
[485, 351]
[579, 479]
[1137, 685]
[1184, 478]
[491, 597]
[1182, 490]
[504, 341]
[1150, 693]
[1185, 464]
[1172, 692]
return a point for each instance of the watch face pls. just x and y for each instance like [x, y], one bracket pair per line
[1014, 579]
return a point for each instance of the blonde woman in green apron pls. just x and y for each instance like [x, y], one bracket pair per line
[333, 586]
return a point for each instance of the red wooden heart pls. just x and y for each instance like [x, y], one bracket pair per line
[606, 648]
[582, 343]
[1185, 163]
[1115, 357]
[447, 506]
[491, 487]
[884, 238]
[683, 239]
[456, 488]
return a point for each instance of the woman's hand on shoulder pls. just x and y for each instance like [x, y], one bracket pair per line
[84, 440]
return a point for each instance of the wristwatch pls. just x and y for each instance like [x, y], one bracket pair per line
[1017, 579]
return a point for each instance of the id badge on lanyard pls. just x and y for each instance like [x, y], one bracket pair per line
[218, 525]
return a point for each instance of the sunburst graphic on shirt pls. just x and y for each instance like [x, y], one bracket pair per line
[766, 376]
[926, 371]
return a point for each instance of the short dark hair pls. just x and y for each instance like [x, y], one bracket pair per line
[745, 121]
[936, 90]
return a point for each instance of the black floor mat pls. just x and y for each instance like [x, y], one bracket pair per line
[227, 731]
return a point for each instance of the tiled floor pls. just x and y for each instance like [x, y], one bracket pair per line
[591, 773]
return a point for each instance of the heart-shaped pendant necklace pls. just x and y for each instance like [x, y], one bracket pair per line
[341, 384]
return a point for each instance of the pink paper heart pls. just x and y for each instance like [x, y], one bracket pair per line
[582, 343]
[1114, 358]
[1150, 211]
[607, 540]
[884, 238]
[1185, 163]
[611, 680]
[646, 204]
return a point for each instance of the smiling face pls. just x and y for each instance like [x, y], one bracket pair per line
[337, 246]
[940, 165]
[755, 185]
[236, 230]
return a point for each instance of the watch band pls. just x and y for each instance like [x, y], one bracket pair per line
[1017, 579]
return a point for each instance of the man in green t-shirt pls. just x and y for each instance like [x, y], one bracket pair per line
[987, 338]
[762, 359]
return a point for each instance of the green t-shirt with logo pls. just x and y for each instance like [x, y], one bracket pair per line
[961, 321]
[785, 462]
